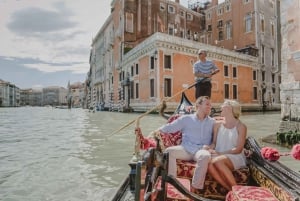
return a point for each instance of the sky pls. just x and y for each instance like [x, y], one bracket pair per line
[47, 42]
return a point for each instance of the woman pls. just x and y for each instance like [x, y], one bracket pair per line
[229, 138]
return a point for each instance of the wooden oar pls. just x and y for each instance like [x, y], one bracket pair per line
[154, 108]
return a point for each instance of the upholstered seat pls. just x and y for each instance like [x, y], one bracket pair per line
[185, 170]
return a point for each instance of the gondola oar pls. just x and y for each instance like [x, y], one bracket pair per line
[161, 103]
[154, 108]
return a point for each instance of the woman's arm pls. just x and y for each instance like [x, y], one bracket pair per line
[212, 146]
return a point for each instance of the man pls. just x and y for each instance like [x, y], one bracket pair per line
[203, 71]
[197, 132]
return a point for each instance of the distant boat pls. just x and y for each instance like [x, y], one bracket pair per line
[62, 107]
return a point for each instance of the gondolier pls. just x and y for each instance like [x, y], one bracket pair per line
[203, 70]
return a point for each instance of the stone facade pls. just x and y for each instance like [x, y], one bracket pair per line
[149, 83]
[131, 50]
[290, 86]
[9, 94]
[251, 27]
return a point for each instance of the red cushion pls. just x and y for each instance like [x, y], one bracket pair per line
[250, 193]
[170, 139]
[172, 193]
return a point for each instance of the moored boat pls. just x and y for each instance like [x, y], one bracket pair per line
[148, 178]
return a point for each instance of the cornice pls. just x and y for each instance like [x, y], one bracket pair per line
[184, 46]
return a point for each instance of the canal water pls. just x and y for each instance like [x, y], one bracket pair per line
[49, 154]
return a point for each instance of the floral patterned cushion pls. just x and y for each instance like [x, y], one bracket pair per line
[250, 193]
[212, 189]
[169, 139]
[172, 193]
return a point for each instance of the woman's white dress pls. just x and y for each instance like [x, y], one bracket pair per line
[227, 139]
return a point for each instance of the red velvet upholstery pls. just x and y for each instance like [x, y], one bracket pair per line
[185, 169]
[212, 189]
[172, 193]
[250, 193]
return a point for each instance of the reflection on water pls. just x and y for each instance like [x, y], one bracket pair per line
[61, 154]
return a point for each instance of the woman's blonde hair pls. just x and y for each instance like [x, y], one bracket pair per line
[236, 107]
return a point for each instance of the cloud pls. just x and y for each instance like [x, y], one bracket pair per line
[34, 73]
[47, 42]
[47, 67]
[35, 21]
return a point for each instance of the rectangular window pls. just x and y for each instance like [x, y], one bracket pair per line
[226, 91]
[254, 75]
[234, 91]
[220, 24]
[189, 16]
[162, 6]
[132, 90]
[209, 27]
[129, 22]
[132, 71]
[208, 15]
[273, 78]
[228, 30]
[168, 61]
[248, 22]
[136, 69]
[254, 93]
[220, 11]
[262, 23]
[221, 35]
[151, 87]
[171, 9]
[234, 72]
[263, 75]
[227, 8]
[262, 54]
[152, 62]
[167, 87]
[272, 57]
[136, 90]
[182, 13]
[120, 76]
[171, 29]
[272, 29]
[226, 71]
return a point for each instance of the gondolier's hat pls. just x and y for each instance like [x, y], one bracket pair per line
[201, 51]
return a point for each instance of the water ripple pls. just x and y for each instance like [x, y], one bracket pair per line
[53, 154]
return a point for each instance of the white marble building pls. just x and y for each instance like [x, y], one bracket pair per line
[290, 55]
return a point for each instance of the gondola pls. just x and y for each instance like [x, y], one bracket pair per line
[148, 179]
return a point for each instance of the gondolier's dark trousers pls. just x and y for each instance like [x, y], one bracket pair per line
[203, 89]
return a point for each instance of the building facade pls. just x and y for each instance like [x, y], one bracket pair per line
[161, 66]
[290, 86]
[76, 91]
[55, 96]
[9, 94]
[123, 71]
[251, 27]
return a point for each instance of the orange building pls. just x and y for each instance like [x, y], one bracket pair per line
[161, 66]
[144, 54]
